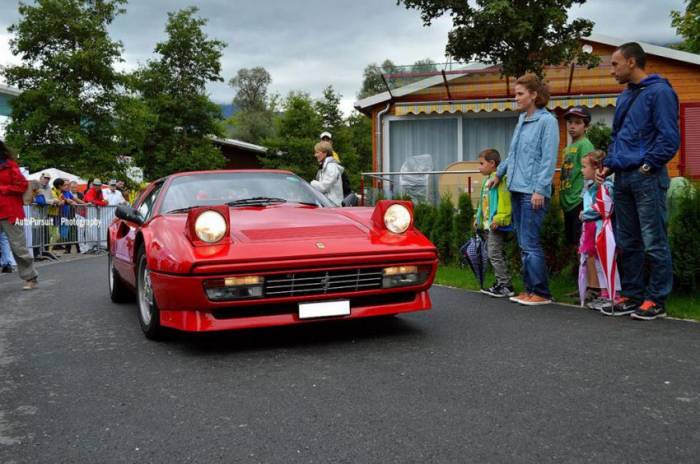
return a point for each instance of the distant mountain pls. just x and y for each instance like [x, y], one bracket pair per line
[228, 109]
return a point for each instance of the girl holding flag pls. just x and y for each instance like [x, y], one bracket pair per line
[597, 245]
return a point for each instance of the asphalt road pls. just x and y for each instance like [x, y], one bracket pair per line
[474, 380]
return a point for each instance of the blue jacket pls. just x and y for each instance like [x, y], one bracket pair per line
[532, 157]
[649, 134]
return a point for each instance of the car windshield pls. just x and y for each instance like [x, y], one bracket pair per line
[239, 189]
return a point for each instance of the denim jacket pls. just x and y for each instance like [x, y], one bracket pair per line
[532, 157]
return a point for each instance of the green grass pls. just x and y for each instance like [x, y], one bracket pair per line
[681, 306]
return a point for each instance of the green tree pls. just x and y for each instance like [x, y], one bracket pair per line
[516, 35]
[251, 89]
[65, 115]
[687, 25]
[253, 122]
[372, 82]
[296, 132]
[328, 108]
[173, 88]
[360, 127]
[422, 66]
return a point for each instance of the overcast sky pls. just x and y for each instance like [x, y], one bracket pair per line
[310, 44]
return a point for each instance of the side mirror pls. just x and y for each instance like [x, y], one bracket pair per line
[128, 213]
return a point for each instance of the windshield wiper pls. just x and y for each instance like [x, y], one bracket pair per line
[256, 201]
[307, 203]
[180, 210]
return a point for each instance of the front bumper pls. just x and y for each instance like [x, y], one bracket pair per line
[184, 305]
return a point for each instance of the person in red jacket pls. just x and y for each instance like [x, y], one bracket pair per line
[12, 188]
[94, 195]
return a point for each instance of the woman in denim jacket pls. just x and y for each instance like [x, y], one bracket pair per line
[529, 169]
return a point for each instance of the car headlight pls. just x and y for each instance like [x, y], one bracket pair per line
[210, 227]
[397, 218]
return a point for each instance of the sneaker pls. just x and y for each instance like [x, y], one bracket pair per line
[598, 304]
[592, 294]
[623, 307]
[7, 269]
[649, 311]
[535, 300]
[498, 291]
[521, 296]
[30, 284]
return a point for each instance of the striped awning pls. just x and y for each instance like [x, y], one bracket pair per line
[475, 106]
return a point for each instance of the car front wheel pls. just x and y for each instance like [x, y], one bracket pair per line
[149, 314]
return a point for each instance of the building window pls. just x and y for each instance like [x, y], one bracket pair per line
[431, 136]
[480, 133]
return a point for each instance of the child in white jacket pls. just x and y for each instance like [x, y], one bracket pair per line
[329, 178]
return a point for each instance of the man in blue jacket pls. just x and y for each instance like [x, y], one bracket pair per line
[645, 137]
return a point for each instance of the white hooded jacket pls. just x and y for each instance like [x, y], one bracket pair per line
[329, 181]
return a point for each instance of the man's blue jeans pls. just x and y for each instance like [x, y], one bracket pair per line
[528, 225]
[640, 209]
[6, 258]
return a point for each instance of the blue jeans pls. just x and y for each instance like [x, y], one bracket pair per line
[6, 258]
[640, 208]
[528, 225]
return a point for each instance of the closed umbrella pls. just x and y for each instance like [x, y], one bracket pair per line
[475, 254]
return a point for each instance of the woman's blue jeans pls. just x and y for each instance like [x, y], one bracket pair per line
[527, 222]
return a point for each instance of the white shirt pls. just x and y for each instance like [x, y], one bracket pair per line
[113, 198]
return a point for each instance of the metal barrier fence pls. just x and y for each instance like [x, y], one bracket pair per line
[421, 187]
[81, 227]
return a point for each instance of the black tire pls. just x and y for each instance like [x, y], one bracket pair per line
[118, 290]
[148, 312]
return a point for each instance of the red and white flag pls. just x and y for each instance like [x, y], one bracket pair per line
[605, 239]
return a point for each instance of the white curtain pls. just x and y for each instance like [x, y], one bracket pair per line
[435, 137]
[481, 133]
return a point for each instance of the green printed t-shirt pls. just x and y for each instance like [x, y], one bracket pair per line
[570, 191]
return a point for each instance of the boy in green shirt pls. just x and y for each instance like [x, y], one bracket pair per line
[493, 216]
[577, 119]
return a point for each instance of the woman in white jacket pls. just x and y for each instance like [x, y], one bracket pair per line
[329, 178]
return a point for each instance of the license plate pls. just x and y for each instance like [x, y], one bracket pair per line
[324, 309]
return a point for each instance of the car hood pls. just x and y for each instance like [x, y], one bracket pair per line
[275, 234]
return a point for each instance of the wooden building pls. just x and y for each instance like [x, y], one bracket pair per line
[239, 154]
[453, 116]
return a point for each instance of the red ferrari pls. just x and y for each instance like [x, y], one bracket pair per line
[220, 250]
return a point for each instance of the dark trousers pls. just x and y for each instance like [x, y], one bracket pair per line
[640, 208]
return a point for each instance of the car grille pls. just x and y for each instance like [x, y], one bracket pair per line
[318, 283]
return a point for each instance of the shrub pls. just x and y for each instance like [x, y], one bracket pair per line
[423, 217]
[685, 241]
[441, 233]
[552, 238]
[462, 226]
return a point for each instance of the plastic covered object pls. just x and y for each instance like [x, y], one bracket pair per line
[416, 185]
